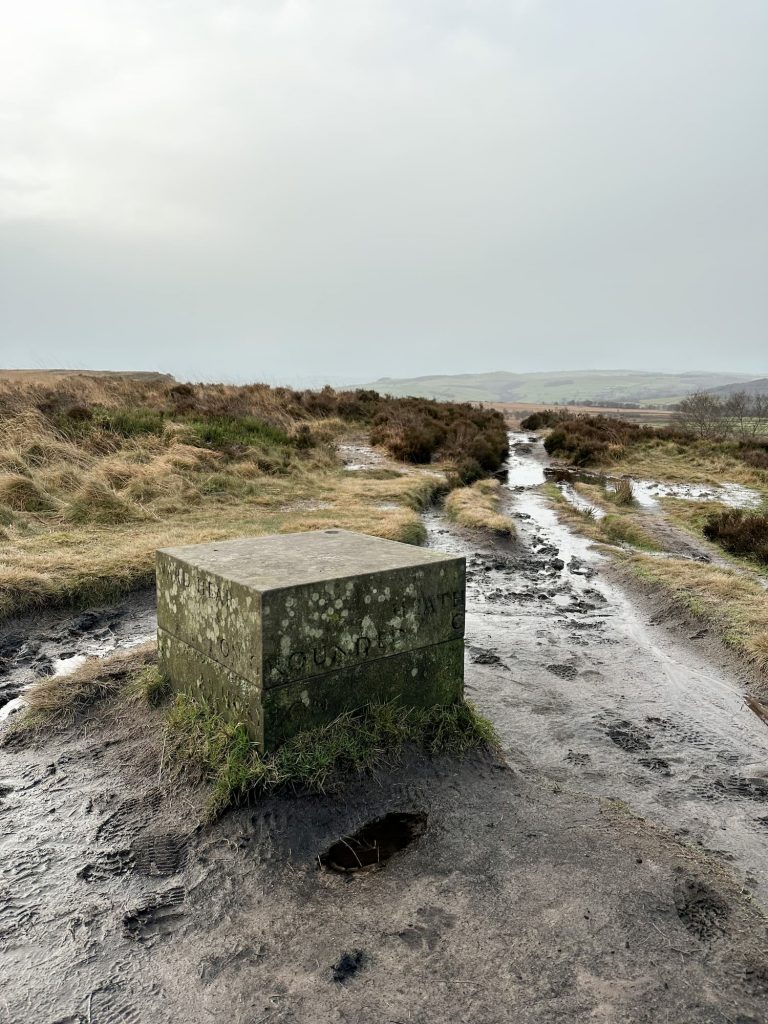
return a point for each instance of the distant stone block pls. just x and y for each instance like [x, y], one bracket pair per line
[286, 632]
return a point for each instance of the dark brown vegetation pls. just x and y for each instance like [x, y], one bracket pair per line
[740, 532]
[592, 440]
[544, 418]
[586, 440]
[227, 417]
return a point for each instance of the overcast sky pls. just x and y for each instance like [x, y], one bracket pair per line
[354, 188]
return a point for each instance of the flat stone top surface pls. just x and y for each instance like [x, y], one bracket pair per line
[290, 559]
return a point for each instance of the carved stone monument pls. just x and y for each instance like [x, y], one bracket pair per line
[286, 632]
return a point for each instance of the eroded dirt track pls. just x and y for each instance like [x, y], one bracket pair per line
[524, 898]
[604, 693]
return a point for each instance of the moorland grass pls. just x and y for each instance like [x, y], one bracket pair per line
[734, 606]
[477, 507]
[360, 741]
[97, 473]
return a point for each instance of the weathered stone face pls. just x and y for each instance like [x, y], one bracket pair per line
[285, 632]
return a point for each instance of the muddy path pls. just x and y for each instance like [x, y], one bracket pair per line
[516, 900]
[602, 874]
[601, 692]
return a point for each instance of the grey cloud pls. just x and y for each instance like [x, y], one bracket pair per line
[282, 190]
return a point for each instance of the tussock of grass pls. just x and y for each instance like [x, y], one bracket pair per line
[622, 529]
[734, 606]
[355, 742]
[616, 528]
[59, 700]
[98, 502]
[21, 494]
[622, 493]
[478, 507]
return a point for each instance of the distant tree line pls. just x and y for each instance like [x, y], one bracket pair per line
[711, 417]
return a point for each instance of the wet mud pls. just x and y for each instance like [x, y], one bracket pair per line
[505, 899]
[602, 872]
[598, 693]
[41, 645]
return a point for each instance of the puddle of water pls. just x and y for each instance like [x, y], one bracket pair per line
[358, 455]
[65, 666]
[521, 469]
[648, 492]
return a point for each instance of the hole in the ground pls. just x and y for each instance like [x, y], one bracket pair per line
[374, 843]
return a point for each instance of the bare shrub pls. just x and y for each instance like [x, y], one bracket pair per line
[740, 532]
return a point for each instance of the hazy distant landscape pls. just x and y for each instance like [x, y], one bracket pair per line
[603, 387]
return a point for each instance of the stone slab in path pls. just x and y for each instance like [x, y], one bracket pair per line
[289, 631]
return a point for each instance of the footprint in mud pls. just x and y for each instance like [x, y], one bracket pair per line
[702, 910]
[427, 932]
[156, 916]
[159, 854]
[124, 822]
[751, 788]
[481, 656]
[628, 737]
[563, 671]
[656, 764]
[213, 966]
[114, 862]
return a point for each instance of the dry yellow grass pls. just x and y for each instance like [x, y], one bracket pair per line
[735, 606]
[48, 563]
[478, 507]
[699, 463]
[82, 518]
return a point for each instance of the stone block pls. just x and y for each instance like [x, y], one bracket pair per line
[286, 632]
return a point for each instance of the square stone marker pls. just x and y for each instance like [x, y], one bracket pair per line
[282, 633]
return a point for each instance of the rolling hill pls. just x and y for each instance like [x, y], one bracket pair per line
[752, 387]
[606, 386]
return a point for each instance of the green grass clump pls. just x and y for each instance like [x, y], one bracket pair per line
[222, 432]
[150, 684]
[355, 742]
[621, 530]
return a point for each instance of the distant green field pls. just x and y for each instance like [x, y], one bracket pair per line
[605, 386]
